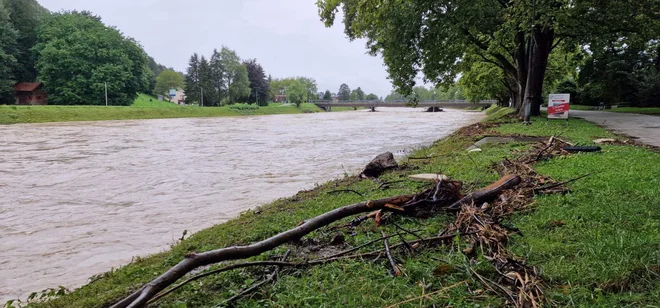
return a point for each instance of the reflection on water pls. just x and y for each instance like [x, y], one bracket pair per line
[81, 198]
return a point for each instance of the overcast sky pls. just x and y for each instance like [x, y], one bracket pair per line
[286, 37]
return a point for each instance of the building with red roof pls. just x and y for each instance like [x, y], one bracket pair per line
[30, 93]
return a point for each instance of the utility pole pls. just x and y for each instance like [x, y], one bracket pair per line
[106, 94]
[202, 100]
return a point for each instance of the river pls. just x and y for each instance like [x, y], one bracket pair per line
[80, 198]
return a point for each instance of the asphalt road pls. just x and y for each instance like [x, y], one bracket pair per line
[644, 127]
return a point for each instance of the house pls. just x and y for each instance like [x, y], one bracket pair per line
[279, 98]
[30, 93]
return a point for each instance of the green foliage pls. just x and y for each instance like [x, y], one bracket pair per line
[344, 92]
[372, 97]
[78, 54]
[260, 88]
[357, 94]
[297, 93]
[26, 16]
[244, 107]
[192, 87]
[627, 71]
[240, 86]
[8, 51]
[281, 86]
[168, 80]
[327, 95]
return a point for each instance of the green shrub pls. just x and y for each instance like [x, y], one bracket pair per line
[243, 107]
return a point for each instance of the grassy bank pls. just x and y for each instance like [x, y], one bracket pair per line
[640, 110]
[596, 246]
[142, 109]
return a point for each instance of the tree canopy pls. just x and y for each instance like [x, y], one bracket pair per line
[8, 51]
[260, 88]
[168, 79]
[434, 38]
[78, 55]
[344, 92]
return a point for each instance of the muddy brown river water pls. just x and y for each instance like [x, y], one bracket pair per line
[79, 198]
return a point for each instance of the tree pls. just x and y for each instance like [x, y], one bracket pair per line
[240, 86]
[327, 95]
[513, 35]
[357, 94]
[192, 84]
[260, 88]
[207, 93]
[297, 93]
[233, 70]
[372, 97]
[344, 92]
[78, 55]
[218, 89]
[26, 16]
[8, 61]
[167, 80]
[310, 85]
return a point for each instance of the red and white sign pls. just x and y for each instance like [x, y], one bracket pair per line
[558, 106]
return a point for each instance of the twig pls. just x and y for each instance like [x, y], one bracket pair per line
[536, 190]
[427, 294]
[550, 142]
[358, 247]
[407, 231]
[345, 190]
[389, 183]
[395, 268]
[256, 286]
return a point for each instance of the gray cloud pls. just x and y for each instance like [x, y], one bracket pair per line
[286, 37]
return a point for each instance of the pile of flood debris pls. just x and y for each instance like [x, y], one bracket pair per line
[478, 220]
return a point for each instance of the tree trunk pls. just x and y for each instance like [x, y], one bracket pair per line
[521, 56]
[538, 61]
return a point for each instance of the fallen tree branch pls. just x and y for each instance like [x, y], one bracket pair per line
[256, 286]
[488, 192]
[395, 269]
[536, 190]
[195, 260]
[336, 257]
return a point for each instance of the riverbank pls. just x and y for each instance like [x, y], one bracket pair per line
[42, 114]
[596, 245]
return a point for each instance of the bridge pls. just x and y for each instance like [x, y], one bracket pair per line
[458, 104]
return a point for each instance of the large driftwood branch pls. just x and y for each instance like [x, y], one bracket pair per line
[489, 192]
[193, 261]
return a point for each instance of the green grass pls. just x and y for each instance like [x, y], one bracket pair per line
[142, 109]
[144, 100]
[641, 110]
[582, 107]
[606, 254]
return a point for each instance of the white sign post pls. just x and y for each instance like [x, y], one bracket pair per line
[558, 106]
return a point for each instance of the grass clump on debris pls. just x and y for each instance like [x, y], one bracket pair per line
[590, 242]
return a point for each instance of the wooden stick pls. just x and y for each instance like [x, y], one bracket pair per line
[256, 286]
[395, 268]
[427, 294]
[536, 190]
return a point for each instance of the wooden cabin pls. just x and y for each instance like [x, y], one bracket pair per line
[30, 93]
